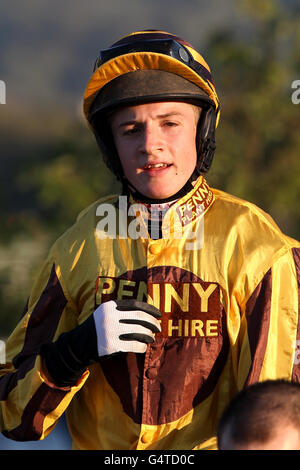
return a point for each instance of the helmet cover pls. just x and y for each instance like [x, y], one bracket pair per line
[150, 66]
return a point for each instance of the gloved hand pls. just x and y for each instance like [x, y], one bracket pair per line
[115, 326]
[125, 326]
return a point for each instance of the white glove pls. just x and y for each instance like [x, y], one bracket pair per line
[125, 326]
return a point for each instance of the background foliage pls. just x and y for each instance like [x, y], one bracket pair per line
[51, 168]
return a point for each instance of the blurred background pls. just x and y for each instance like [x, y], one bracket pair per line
[51, 167]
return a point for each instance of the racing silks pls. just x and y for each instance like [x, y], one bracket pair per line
[227, 283]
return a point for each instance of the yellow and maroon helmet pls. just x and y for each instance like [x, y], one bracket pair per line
[148, 66]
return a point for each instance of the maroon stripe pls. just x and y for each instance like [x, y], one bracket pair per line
[258, 319]
[9, 381]
[43, 402]
[171, 275]
[44, 318]
[203, 72]
[152, 35]
[40, 330]
[296, 368]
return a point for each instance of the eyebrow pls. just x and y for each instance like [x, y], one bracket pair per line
[159, 116]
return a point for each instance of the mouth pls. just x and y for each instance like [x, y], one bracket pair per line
[156, 166]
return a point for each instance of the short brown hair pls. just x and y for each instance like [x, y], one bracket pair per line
[254, 414]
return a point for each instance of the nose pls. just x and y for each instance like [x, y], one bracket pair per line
[151, 141]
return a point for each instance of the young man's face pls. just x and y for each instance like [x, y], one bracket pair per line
[156, 146]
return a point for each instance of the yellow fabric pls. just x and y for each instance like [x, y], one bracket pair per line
[142, 61]
[240, 246]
